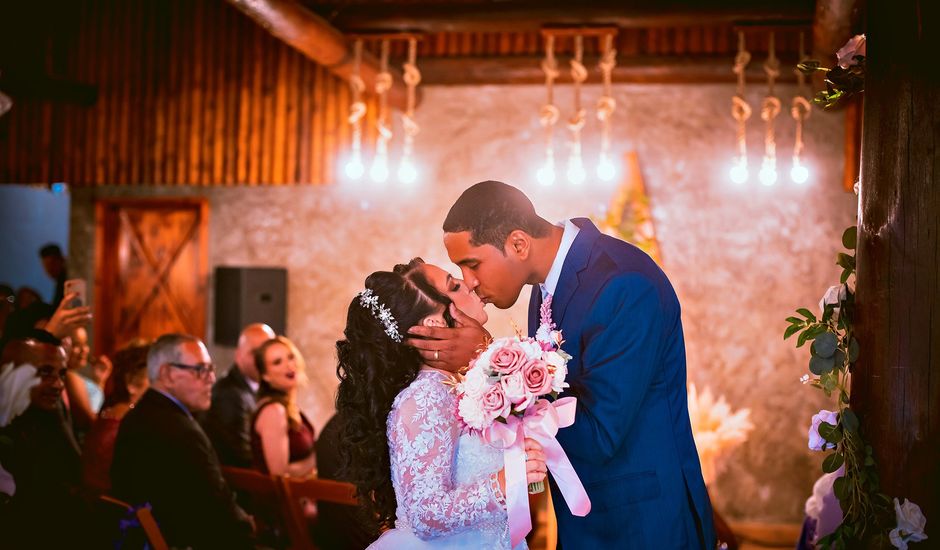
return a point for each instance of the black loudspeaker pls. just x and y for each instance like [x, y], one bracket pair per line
[245, 295]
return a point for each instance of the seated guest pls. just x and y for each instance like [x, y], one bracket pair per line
[233, 401]
[84, 396]
[43, 457]
[126, 386]
[94, 373]
[338, 526]
[282, 439]
[163, 457]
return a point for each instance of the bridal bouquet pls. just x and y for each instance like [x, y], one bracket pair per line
[502, 396]
[507, 378]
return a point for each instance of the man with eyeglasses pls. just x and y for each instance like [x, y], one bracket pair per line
[163, 457]
[43, 455]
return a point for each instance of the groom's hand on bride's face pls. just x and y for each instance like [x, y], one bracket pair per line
[449, 348]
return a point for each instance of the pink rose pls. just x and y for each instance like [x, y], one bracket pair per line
[513, 387]
[538, 381]
[508, 359]
[495, 403]
[846, 54]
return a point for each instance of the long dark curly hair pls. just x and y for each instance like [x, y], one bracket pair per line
[372, 370]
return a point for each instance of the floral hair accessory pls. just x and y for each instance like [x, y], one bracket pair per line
[370, 301]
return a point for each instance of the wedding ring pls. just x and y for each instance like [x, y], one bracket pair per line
[526, 456]
[436, 354]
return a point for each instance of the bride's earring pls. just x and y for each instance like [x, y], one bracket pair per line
[432, 322]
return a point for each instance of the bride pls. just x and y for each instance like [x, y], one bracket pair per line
[405, 451]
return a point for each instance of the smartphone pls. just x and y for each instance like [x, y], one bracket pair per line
[78, 287]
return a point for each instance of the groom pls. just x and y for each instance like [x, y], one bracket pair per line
[631, 443]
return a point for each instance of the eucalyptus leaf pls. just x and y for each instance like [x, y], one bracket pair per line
[807, 313]
[832, 463]
[794, 320]
[791, 330]
[849, 420]
[830, 433]
[846, 260]
[846, 273]
[826, 344]
[820, 365]
[853, 350]
[838, 357]
[850, 237]
[841, 489]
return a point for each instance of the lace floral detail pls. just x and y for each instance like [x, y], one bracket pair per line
[445, 483]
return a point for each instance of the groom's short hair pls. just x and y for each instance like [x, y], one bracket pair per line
[490, 211]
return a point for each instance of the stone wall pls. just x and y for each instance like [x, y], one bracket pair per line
[740, 257]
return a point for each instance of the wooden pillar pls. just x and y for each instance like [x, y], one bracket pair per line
[896, 382]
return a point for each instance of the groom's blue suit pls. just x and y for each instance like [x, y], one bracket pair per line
[631, 443]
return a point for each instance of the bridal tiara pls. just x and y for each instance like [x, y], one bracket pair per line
[370, 301]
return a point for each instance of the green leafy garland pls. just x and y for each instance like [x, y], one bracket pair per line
[833, 351]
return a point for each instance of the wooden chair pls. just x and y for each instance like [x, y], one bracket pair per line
[261, 495]
[295, 491]
[145, 517]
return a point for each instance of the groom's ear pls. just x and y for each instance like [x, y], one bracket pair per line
[519, 244]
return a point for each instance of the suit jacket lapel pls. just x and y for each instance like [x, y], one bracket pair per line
[579, 255]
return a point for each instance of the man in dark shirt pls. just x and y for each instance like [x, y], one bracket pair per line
[163, 457]
[43, 456]
[54, 263]
[233, 401]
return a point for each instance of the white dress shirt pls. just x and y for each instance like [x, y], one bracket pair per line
[567, 239]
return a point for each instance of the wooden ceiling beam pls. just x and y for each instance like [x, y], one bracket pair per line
[669, 69]
[319, 41]
[533, 15]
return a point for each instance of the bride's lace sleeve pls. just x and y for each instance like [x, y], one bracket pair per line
[424, 434]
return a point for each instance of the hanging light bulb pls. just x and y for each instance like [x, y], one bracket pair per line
[379, 170]
[406, 171]
[354, 168]
[741, 111]
[800, 109]
[738, 171]
[768, 171]
[357, 110]
[575, 170]
[798, 173]
[546, 173]
[605, 169]
[770, 108]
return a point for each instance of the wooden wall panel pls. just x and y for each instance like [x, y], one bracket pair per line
[189, 92]
[192, 92]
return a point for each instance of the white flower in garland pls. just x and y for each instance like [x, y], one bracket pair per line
[816, 441]
[911, 524]
[834, 296]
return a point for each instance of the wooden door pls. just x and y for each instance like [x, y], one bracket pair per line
[151, 269]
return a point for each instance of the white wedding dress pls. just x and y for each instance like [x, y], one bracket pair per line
[445, 483]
